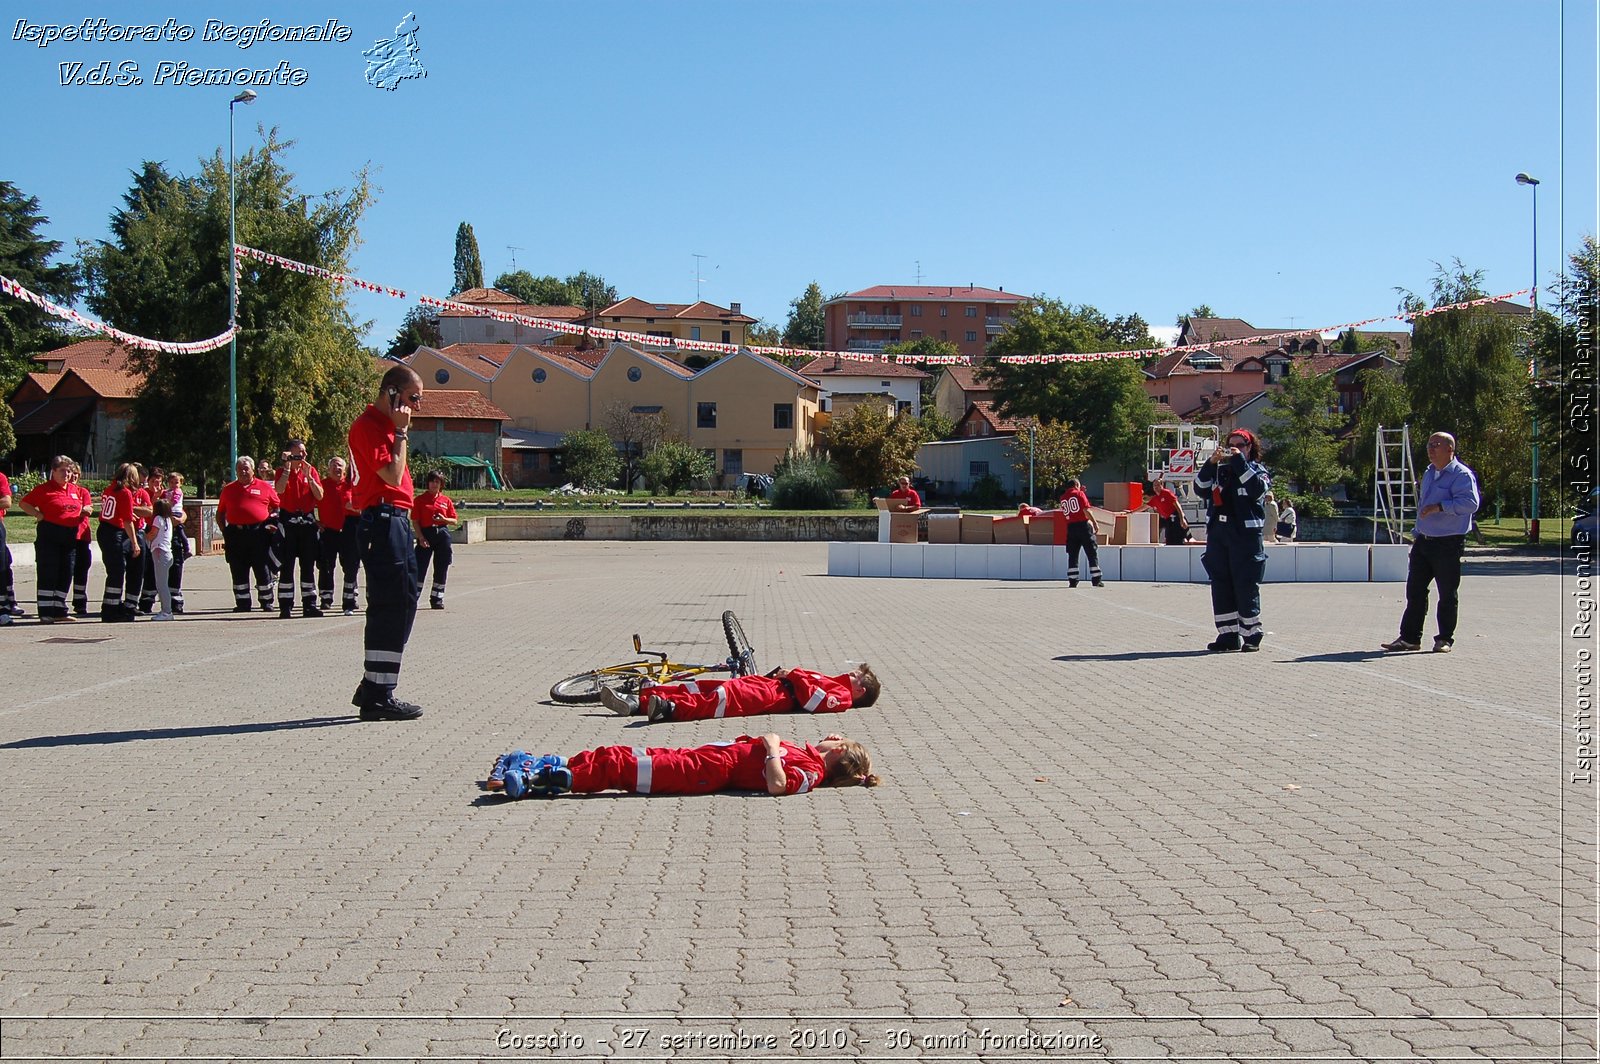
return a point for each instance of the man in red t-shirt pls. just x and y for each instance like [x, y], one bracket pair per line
[905, 497]
[8, 596]
[383, 494]
[337, 543]
[1164, 501]
[1080, 534]
[299, 491]
[243, 507]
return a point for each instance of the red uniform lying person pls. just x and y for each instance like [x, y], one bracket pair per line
[747, 763]
[780, 691]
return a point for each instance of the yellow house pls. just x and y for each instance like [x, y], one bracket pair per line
[743, 409]
[676, 321]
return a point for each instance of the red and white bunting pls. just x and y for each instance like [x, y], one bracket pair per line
[642, 339]
[16, 291]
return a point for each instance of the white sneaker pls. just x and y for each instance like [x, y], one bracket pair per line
[162, 617]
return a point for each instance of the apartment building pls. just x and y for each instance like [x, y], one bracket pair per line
[873, 318]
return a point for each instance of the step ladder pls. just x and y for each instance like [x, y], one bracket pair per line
[1394, 485]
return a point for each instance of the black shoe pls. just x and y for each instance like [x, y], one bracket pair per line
[285, 612]
[660, 709]
[436, 604]
[1250, 648]
[267, 607]
[1097, 582]
[242, 609]
[1224, 645]
[1072, 583]
[314, 611]
[377, 703]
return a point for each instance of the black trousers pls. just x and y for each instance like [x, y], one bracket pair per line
[1080, 537]
[1172, 531]
[122, 570]
[1236, 559]
[389, 556]
[82, 558]
[8, 594]
[441, 552]
[339, 548]
[53, 549]
[245, 548]
[1434, 560]
[299, 545]
[180, 554]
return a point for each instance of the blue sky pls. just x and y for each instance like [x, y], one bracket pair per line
[1286, 162]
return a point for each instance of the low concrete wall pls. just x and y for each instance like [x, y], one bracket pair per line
[1336, 530]
[692, 527]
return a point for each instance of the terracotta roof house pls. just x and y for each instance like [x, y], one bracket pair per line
[670, 322]
[984, 419]
[464, 327]
[463, 428]
[870, 319]
[957, 389]
[840, 377]
[85, 354]
[81, 412]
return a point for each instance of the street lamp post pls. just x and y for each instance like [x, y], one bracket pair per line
[247, 96]
[1533, 354]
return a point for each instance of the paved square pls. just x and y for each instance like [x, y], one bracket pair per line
[1094, 839]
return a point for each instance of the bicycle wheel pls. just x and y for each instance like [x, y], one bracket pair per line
[585, 686]
[742, 654]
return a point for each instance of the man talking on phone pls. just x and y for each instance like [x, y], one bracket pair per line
[383, 495]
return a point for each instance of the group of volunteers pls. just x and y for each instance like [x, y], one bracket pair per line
[139, 533]
[296, 516]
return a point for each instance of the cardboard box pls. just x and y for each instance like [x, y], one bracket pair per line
[1048, 529]
[1105, 523]
[903, 528]
[977, 528]
[897, 506]
[1121, 496]
[944, 528]
[1011, 529]
[1131, 529]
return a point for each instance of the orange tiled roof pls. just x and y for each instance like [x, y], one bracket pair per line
[634, 307]
[109, 383]
[460, 403]
[930, 292]
[93, 354]
[829, 366]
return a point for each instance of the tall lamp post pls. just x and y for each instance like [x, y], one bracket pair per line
[247, 96]
[1533, 354]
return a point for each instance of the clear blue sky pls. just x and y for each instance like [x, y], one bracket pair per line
[1282, 161]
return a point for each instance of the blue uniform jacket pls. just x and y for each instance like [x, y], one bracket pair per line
[1244, 484]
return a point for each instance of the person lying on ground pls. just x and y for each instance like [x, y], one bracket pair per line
[779, 691]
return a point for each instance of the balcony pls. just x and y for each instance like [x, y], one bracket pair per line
[872, 346]
[995, 325]
[874, 321]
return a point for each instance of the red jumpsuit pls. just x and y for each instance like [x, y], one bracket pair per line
[740, 765]
[748, 696]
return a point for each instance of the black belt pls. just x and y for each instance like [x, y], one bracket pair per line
[1458, 535]
[387, 509]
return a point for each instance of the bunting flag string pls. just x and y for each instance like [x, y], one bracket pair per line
[17, 291]
[644, 339]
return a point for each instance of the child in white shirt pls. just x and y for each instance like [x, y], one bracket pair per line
[159, 535]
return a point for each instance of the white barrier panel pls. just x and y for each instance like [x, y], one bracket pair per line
[1111, 562]
[875, 559]
[1037, 562]
[1197, 567]
[972, 561]
[1280, 563]
[1005, 561]
[1313, 564]
[1172, 565]
[939, 560]
[905, 559]
[1350, 562]
[1389, 562]
[1138, 563]
[844, 559]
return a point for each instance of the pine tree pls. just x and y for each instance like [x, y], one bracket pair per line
[25, 330]
[469, 264]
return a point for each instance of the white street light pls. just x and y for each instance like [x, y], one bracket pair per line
[247, 96]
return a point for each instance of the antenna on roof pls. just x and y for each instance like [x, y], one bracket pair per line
[697, 277]
[919, 271]
[513, 248]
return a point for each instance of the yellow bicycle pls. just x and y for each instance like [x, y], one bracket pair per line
[655, 667]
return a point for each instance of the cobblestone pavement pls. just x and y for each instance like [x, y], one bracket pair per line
[1094, 839]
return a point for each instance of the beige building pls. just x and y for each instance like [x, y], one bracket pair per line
[676, 321]
[745, 410]
[464, 327]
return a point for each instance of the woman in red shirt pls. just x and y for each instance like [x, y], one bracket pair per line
[119, 546]
[58, 509]
[82, 557]
[432, 515]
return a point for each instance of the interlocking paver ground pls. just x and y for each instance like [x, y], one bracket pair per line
[1089, 827]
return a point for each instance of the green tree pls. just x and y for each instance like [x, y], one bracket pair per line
[302, 370]
[1300, 428]
[934, 423]
[1057, 452]
[1385, 402]
[1104, 401]
[1202, 311]
[937, 426]
[419, 328]
[590, 459]
[637, 431]
[582, 289]
[1468, 375]
[806, 324]
[468, 264]
[868, 448]
[25, 330]
[673, 465]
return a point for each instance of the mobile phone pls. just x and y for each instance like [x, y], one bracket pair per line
[394, 399]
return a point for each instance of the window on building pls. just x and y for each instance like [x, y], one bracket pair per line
[732, 462]
[441, 376]
[727, 336]
[694, 332]
[972, 312]
[634, 373]
[972, 337]
[977, 469]
[783, 415]
[902, 406]
[916, 334]
[661, 333]
[944, 334]
[883, 384]
[539, 375]
[944, 312]
[916, 310]
[706, 415]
